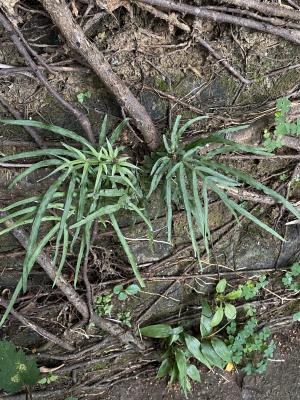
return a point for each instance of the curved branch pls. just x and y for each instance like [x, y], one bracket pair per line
[62, 17]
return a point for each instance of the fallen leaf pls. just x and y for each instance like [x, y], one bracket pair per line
[229, 367]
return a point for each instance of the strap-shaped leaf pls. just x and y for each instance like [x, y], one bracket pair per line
[52, 128]
[37, 222]
[33, 168]
[126, 248]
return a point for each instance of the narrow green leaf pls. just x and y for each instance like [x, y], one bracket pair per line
[168, 199]
[106, 210]
[157, 331]
[79, 260]
[127, 250]
[102, 132]
[31, 261]
[117, 131]
[174, 133]
[187, 206]
[164, 369]
[37, 222]
[36, 153]
[182, 369]
[65, 214]
[221, 349]
[193, 346]
[52, 128]
[63, 256]
[233, 295]
[211, 355]
[188, 124]
[33, 168]
[257, 185]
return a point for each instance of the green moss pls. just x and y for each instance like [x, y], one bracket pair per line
[160, 83]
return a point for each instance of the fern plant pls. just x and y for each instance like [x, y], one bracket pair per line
[91, 183]
[179, 169]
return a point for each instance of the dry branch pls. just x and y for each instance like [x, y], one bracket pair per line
[292, 35]
[265, 8]
[62, 17]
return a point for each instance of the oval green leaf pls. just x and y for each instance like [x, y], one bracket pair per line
[221, 285]
[193, 373]
[218, 316]
[230, 311]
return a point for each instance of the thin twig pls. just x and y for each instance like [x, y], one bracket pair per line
[41, 331]
[221, 58]
[21, 47]
[291, 35]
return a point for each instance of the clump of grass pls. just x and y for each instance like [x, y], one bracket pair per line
[91, 182]
[186, 172]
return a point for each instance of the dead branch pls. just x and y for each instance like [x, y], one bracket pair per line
[265, 8]
[291, 35]
[171, 19]
[36, 328]
[8, 26]
[77, 40]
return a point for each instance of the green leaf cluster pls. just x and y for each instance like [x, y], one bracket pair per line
[291, 278]
[16, 369]
[123, 292]
[224, 307]
[92, 183]
[102, 305]
[187, 172]
[48, 379]
[82, 96]
[273, 140]
[125, 318]
[249, 347]
[184, 351]
[251, 289]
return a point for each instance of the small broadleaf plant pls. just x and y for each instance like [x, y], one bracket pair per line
[223, 301]
[183, 351]
[123, 292]
[186, 176]
[92, 183]
[273, 140]
[17, 371]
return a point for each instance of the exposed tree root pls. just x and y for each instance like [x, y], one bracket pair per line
[62, 17]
